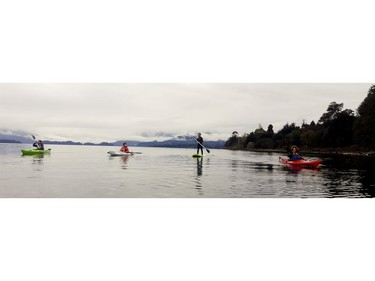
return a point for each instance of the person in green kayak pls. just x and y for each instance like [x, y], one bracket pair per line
[294, 153]
[199, 141]
[39, 145]
[124, 148]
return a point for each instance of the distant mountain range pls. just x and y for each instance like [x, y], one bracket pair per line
[186, 141]
[16, 137]
[9, 141]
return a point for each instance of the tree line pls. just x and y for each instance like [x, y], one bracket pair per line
[337, 128]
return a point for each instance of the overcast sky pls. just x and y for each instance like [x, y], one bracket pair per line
[152, 41]
[110, 112]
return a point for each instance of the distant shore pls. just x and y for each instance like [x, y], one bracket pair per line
[9, 141]
[327, 152]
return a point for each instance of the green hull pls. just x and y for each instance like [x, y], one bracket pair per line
[35, 151]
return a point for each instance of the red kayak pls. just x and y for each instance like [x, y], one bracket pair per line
[301, 163]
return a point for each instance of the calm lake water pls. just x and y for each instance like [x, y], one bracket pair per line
[88, 172]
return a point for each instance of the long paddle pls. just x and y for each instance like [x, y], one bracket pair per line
[208, 151]
[35, 140]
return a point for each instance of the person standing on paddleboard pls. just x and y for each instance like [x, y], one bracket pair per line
[124, 148]
[199, 140]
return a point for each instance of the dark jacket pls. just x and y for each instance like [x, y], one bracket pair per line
[200, 139]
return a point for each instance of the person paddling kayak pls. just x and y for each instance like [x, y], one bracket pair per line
[124, 148]
[39, 145]
[296, 161]
[124, 151]
[294, 153]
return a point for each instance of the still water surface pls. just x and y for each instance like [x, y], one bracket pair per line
[88, 172]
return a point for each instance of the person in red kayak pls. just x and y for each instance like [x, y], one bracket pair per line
[294, 155]
[124, 148]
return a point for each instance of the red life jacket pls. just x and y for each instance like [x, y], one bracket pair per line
[124, 149]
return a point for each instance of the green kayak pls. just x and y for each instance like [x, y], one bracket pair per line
[34, 151]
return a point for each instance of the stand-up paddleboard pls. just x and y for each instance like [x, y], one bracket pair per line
[197, 155]
[114, 153]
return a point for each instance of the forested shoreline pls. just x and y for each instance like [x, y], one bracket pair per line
[338, 130]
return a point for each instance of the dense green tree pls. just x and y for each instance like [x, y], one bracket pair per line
[231, 142]
[311, 138]
[270, 130]
[364, 127]
[294, 137]
[336, 128]
[263, 143]
[332, 111]
[284, 138]
[339, 131]
[251, 138]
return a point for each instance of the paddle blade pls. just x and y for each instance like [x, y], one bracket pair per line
[33, 137]
[208, 150]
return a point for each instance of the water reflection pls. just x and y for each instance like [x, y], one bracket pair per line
[341, 183]
[198, 180]
[263, 166]
[297, 169]
[350, 176]
[199, 166]
[33, 156]
[125, 160]
[37, 161]
[368, 182]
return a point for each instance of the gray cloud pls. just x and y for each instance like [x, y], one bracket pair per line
[107, 112]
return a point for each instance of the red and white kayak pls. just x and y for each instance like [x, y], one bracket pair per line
[301, 163]
[114, 153]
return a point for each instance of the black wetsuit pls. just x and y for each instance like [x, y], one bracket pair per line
[199, 146]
